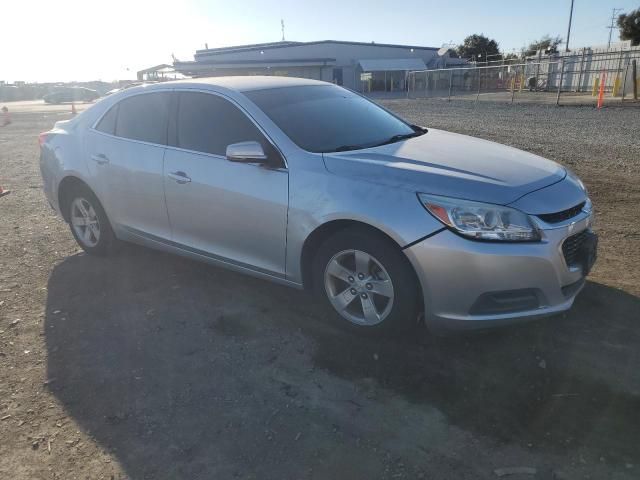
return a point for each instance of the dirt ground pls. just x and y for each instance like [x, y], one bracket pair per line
[149, 366]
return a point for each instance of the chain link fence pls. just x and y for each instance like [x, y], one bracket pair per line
[578, 78]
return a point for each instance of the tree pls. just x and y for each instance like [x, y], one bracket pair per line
[629, 25]
[547, 44]
[479, 47]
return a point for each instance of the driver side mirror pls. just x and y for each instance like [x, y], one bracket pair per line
[246, 152]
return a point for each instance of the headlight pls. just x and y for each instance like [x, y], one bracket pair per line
[481, 221]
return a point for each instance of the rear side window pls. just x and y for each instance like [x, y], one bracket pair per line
[208, 123]
[108, 122]
[144, 117]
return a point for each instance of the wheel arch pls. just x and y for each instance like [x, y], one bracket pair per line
[66, 186]
[315, 239]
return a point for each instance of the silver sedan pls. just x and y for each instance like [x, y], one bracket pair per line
[313, 186]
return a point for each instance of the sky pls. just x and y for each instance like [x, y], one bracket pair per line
[67, 40]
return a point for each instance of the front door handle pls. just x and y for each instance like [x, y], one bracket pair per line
[100, 158]
[179, 177]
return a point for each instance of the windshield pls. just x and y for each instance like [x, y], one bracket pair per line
[328, 118]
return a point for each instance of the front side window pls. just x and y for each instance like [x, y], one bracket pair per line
[329, 118]
[208, 123]
[144, 117]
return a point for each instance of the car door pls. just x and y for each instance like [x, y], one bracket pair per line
[125, 153]
[234, 212]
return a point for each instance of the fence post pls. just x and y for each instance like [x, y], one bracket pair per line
[406, 81]
[450, 83]
[426, 74]
[513, 84]
[478, 94]
[596, 86]
[579, 89]
[634, 72]
[560, 82]
[624, 82]
[617, 80]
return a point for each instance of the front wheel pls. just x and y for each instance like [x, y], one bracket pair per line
[367, 282]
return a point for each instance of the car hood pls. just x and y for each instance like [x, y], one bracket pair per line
[449, 164]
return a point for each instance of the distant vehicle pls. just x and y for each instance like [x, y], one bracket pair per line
[311, 185]
[71, 94]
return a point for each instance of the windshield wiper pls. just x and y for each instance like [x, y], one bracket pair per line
[417, 131]
[346, 148]
[404, 136]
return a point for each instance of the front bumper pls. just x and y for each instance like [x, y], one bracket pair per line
[468, 284]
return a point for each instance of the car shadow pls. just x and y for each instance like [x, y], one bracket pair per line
[178, 368]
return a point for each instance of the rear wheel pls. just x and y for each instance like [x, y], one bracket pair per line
[367, 282]
[89, 223]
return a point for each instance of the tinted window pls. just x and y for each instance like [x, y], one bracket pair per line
[208, 123]
[144, 117]
[108, 122]
[328, 118]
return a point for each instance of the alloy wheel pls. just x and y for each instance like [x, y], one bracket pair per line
[84, 222]
[359, 287]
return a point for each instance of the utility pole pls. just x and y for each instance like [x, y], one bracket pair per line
[569, 28]
[282, 25]
[614, 12]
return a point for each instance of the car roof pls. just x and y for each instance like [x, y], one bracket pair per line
[247, 83]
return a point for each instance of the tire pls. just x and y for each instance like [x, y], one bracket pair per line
[360, 268]
[89, 223]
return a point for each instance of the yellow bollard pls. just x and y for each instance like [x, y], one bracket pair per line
[596, 84]
[521, 82]
[616, 86]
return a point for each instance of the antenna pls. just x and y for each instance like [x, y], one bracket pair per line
[282, 25]
[614, 11]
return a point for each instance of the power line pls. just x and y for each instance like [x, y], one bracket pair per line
[614, 11]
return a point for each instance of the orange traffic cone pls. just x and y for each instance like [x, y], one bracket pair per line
[4, 192]
[73, 109]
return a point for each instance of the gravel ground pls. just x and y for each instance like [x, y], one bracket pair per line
[146, 365]
[602, 147]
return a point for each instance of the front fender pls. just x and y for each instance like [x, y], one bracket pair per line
[318, 197]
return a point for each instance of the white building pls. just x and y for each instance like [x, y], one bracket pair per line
[359, 66]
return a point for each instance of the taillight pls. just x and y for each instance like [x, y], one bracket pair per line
[42, 138]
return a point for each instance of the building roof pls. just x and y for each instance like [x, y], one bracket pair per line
[252, 46]
[273, 45]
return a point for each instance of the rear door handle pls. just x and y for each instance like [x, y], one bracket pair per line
[179, 177]
[100, 158]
